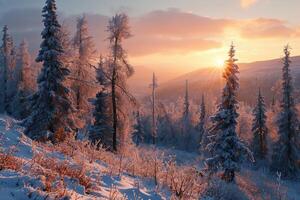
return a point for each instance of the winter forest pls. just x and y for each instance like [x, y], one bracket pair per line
[74, 126]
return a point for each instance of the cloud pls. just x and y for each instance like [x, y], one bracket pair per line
[144, 46]
[159, 32]
[247, 3]
[176, 23]
[266, 28]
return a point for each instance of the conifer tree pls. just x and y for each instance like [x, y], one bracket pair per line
[201, 125]
[138, 132]
[286, 149]
[7, 50]
[101, 130]
[153, 86]
[186, 112]
[51, 107]
[226, 149]
[259, 129]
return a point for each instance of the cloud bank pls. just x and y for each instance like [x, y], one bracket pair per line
[159, 32]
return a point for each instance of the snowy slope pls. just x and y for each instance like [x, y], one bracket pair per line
[26, 185]
[98, 178]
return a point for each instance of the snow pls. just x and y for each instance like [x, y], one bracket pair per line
[20, 185]
[23, 184]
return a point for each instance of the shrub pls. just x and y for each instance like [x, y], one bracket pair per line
[8, 161]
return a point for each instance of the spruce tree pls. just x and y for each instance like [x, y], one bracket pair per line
[201, 125]
[138, 132]
[153, 86]
[51, 106]
[101, 130]
[6, 62]
[286, 149]
[226, 149]
[186, 114]
[259, 129]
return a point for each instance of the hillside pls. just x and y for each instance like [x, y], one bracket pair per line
[264, 74]
[74, 170]
[30, 170]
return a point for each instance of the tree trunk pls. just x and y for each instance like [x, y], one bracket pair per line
[113, 96]
[153, 114]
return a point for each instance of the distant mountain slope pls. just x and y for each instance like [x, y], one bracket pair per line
[208, 81]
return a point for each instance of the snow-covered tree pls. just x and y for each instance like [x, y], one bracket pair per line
[119, 72]
[7, 53]
[226, 149]
[101, 130]
[153, 86]
[25, 77]
[68, 56]
[201, 125]
[51, 107]
[82, 70]
[286, 150]
[259, 129]
[186, 116]
[138, 132]
[165, 129]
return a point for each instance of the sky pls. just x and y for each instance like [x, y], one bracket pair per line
[178, 36]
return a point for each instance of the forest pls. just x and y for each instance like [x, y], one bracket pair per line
[72, 128]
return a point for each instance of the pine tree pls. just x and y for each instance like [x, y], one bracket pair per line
[259, 129]
[119, 72]
[101, 130]
[24, 76]
[201, 125]
[7, 50]
[153, 86]
[82, 69]
[226, 149]
[138, 133]
[51, 106]
[286, 149]
[186, 112]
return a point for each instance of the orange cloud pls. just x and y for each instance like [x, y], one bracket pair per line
[161, 32]
[140, 46]
[176, 23]
[247, 3]
[265, 28]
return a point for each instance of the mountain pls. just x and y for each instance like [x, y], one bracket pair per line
[208, 81]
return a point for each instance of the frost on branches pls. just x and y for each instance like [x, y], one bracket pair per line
[119, 70]
[226, 149]
[259, 129]
[101, 130]
[286, 149]
[7, 62]
[50, 104]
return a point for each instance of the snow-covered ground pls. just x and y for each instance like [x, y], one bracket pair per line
[98, 179]
[22, 184]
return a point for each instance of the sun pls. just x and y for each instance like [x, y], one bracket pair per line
[219, 63]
